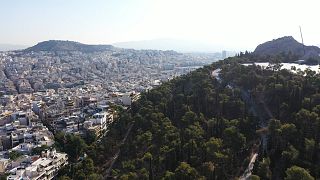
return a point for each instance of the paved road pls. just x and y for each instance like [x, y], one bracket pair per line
[248, 172]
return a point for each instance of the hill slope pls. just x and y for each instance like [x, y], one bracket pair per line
[210, 123]
[287, 44]
[58, 45]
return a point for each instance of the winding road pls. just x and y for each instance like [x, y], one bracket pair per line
[258, 109]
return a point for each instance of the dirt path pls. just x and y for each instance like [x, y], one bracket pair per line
[115, 157]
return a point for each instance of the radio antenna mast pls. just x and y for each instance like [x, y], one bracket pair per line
[304, 51]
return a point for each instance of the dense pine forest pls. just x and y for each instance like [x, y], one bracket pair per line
[210, 124]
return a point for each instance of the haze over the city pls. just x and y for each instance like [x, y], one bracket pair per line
[229, 24]
[159, 89]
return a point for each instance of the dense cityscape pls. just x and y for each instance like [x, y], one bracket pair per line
[159, 90]
[45, 92]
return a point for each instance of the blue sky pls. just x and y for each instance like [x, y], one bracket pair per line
[231, 23]
[27, 21]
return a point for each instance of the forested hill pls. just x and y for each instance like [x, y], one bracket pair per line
[211, 123]
[202, 126]
[287, 45]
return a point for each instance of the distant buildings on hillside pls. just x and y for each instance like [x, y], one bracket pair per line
[226, 54]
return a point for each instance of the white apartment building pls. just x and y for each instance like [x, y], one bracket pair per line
[44, 168]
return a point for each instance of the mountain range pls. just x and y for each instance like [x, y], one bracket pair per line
[281, 45]
[10, 47]
[180, 45]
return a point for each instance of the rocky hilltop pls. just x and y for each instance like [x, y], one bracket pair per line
[58, 45]
[287, 44]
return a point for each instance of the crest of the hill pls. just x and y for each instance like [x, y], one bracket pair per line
[285, 45]
[59, 45]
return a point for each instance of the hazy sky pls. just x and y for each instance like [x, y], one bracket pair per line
[238, 24]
